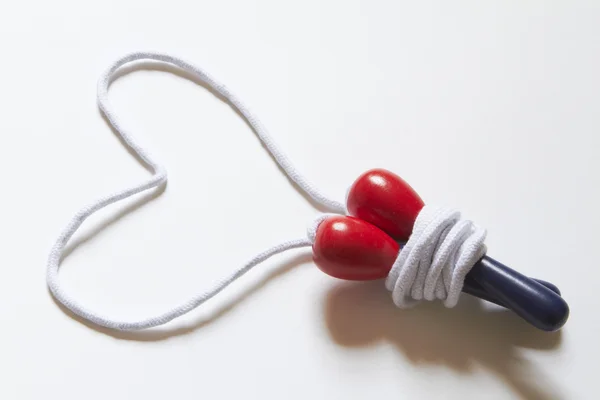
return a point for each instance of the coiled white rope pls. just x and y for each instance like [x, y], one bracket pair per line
[440, 252]
[454, 243]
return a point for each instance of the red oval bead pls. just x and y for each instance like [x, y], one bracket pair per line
[351, 249]
[385, 200]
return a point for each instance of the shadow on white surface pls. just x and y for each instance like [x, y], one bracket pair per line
[462, 338]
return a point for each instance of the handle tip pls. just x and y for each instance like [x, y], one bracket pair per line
[540, 304]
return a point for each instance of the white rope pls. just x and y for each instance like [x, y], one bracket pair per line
[433, 263]
[440, 252]
[159, 178]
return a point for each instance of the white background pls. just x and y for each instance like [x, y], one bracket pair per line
[488, 106]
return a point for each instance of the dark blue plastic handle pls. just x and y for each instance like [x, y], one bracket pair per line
[475, 289]
[538, 302]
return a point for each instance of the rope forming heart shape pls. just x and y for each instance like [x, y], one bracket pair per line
[384, 231]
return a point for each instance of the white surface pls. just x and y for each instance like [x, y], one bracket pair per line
[343, 86]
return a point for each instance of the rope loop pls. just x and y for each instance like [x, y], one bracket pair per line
[158, 178]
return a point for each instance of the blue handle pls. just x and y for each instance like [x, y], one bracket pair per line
[538, 302]
[475, 289]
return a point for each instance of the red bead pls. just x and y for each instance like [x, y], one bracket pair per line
[386, 201]
[351, 249]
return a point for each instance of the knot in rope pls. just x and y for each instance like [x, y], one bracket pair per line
[433, 264]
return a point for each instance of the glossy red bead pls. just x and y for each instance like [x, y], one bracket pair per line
[385, 200]
[351, 249]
